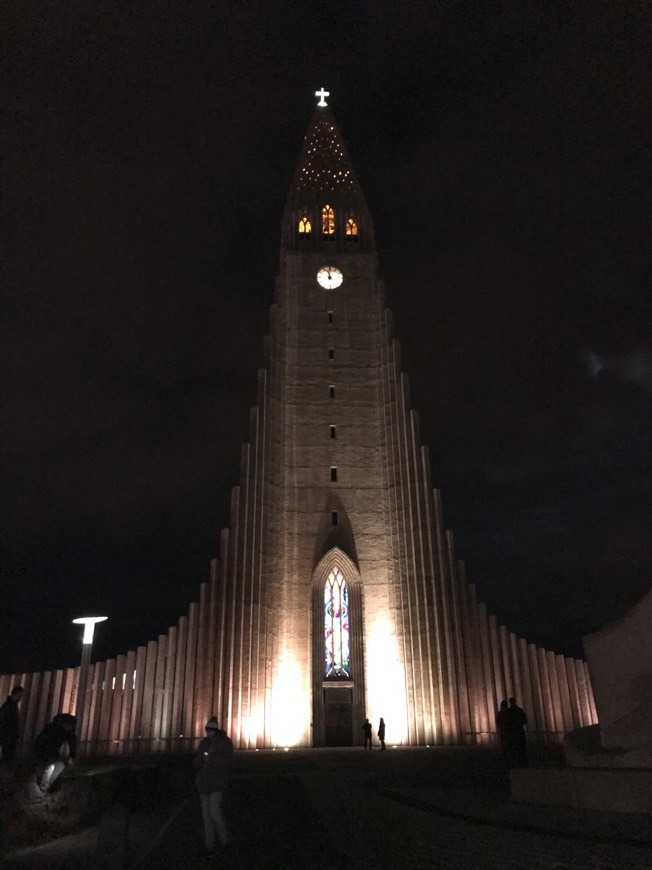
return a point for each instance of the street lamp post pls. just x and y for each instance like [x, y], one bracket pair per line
[87, 642]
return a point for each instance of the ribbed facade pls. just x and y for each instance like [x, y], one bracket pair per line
[333, 479]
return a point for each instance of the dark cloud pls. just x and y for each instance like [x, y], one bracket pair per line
[502, 150]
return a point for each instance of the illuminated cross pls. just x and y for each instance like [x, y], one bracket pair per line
[322, 94]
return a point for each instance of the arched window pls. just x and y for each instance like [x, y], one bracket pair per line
[351, 228]
[337, 646]
[327, 221]
[305, 227]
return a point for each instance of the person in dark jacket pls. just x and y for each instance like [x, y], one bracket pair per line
[55, 747]
[502, 726]
[381, 733]
[213, 760]
[10, 724]
[366, 730]
[517, 738]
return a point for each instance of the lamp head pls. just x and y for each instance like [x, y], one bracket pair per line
[89, 625]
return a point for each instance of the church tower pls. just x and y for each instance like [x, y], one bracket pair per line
[343, 599]
[336, 596]
[339, 569]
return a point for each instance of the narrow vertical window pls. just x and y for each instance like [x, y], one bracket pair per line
[333, 473]
[305, 227]
[330, 316]
[331, 391]
[327, 221]
[333, 433]
[331, 353]
[333, 518]
[337, 643]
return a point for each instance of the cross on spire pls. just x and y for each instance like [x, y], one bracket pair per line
[322, 94]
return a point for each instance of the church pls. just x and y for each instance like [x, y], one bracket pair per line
[337, 595]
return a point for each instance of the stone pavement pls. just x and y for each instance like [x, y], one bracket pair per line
[404, 808]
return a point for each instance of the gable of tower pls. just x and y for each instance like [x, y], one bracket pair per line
[325, 204]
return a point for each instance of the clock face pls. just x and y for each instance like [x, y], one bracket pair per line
[329, 277]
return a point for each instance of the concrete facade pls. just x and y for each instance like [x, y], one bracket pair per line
[620, 662]
[334, 482]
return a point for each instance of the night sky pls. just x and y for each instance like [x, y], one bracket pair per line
[502, 149]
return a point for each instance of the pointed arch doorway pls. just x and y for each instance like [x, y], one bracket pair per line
[338, 652]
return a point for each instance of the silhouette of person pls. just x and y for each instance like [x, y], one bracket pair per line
[517, 738]
[10, 724]
[55, 747]
[366, 730]
[381, 733]
[502, 726]
[213, 760]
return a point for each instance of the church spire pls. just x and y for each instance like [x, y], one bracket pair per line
[325, 195]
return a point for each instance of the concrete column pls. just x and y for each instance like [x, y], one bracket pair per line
[177, 727]
[546, 693]
[137, 703]
[167, 732]
[189, 676]
[116, 707]
[106, 703]
[125, 732]
[159, 693]
[564, 694]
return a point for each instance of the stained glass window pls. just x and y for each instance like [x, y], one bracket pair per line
[327, 220]
[351, 227]
[337, 655]
[305, 227]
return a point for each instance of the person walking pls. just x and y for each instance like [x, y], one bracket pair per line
[517, 738]
[366, 730]
[55, 748]
[213, 760]
[381, 733]
[10, 724]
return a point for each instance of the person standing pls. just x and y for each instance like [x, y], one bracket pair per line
[366, 730]
[213, 760]
[55, 748]
[10, 724]
[502, 726]
[517, 738]
[381, 733]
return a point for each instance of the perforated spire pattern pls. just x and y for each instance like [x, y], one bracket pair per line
[325, 166]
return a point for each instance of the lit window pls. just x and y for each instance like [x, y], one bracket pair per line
[337, 656]
[327, 221]
[305, 227]
[351, 227]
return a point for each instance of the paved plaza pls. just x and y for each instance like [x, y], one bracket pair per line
[404, 808]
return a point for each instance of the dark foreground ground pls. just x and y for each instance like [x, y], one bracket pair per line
[328, 809]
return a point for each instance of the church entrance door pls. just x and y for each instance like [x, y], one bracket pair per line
[338, 709]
